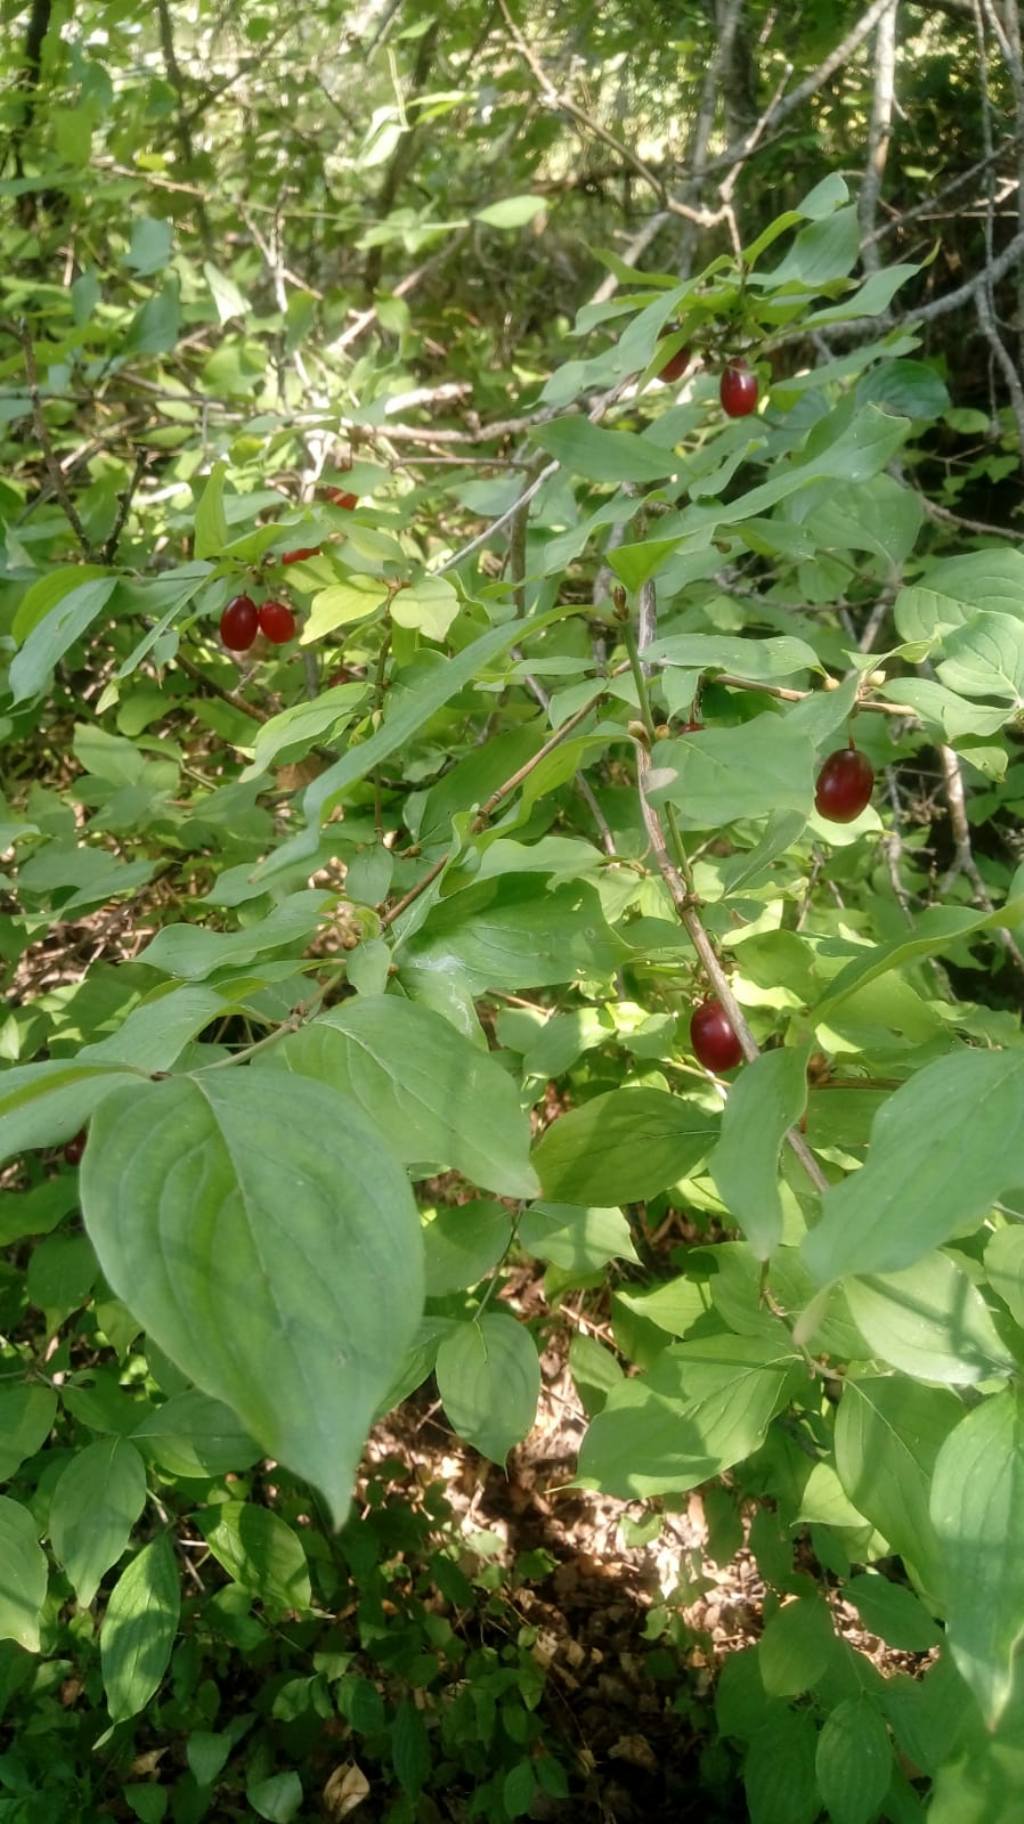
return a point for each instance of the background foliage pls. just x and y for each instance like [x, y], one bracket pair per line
[346, 1084]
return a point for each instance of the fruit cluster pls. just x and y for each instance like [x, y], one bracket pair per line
[241, 621]
[737, 388]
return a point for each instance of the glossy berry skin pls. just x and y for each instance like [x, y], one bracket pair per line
[304, 551]
[844, 785]
[277, 623]
[676, 366]
[75, 1148]
[239, 624]
[714, 1043]
[737, 390]
[338, 497]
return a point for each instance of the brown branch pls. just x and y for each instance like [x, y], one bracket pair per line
[53, 468]
[963, 856]
[217, 690]
[879, 134]
[686, 905]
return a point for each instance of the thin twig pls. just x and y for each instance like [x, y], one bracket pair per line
[53, 468]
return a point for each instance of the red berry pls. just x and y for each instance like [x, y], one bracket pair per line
[737, 390]
[238, 623]
[75, 1148]
[304, 551]
[713, 1039]
[844, 786]
[692, 728]
[337, 497]
[676, 366]
[277, 623]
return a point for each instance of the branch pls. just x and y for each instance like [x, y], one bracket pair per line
[963, 857]
[53, 468]
[686, 908]
[879, 135]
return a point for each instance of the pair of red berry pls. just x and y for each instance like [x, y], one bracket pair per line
[737, 388]
[242, 621]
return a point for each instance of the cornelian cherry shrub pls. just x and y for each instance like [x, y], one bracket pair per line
[453, 893]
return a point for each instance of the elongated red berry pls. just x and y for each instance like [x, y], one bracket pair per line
[75, 1148]
[845, 784]
[238, 624]
[714, 1042]
[304, 551]
[337, 497]
[277, 623]
[737, 390]
[675, 367]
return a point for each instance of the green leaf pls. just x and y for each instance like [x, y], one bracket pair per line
[150, 247]
[1004, 1265]
[721, 774]
[191, 1435]
[622, 1147]
[853, 1762]
[893, 1612]
[211, 524]
[795, 1649]
[192, 952]
[410, 1747]
[226, 296]
[60, 1275]
[929, 1321]
[462, 1244]
[943, 1149]
[488, 1377]
[46, 1104]
[155, 327]
[51, 637]
[24, 1580]
[821, 253]
[913, 388]
[760, 660]
[260, 1551]
[888, 1434]
[27, 1412]
[518, 1789]
[599, 455]
[341, 604]
[985, 658]
[96, 1502]
[778, 1771]
[512, 933]
[429, 604]
[938, 929]
[703, 1407]
[289, 1184]
[577, 1239]
[977, 1509]
[299, 728]
[766, 1100]
[870, 300]
[277, 1798]
[444, 1102]
[138, 1629]
[512, 212]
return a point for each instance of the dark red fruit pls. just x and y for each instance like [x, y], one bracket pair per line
[304, 551]
[238, 624]
[337, 497]
[845, 784]
[277, 623]
[737, 390]
[692, 728]
[676, 366]
[75, 1148]
[713, 1040]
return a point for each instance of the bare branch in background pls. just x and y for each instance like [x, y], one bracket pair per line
[963, 855]
[727, 19]
[879, 134]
